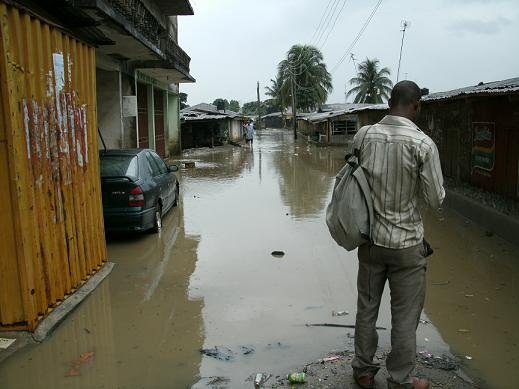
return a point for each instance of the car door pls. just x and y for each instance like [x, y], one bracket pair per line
[168, 183]
[157, 180]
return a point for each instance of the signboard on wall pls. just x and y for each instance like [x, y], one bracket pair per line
[483, 146]
[129, 106]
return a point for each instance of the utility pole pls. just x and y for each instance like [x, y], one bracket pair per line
[353, 59]
[258, 124]
[294, 110]
[405, 23]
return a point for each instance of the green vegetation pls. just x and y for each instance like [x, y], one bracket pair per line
[305, 68]
[371, 84]
[219, 101]
[183, 100]
[234, 105]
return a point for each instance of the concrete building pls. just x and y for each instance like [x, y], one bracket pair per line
[139, 73]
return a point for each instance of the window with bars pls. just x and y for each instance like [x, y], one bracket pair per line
[344, 127]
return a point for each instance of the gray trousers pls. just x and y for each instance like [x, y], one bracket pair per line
[405, 270]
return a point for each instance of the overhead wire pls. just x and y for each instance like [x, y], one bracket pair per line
[321, 21]
[327, 21]
[352, 45]
[334, 23]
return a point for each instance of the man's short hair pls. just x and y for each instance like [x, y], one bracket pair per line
[405, 93]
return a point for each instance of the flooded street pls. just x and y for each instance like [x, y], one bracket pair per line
[209, 279]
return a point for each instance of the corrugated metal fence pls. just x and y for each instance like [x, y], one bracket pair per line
[51, 235]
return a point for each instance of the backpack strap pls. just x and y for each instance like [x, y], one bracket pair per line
[358, 141]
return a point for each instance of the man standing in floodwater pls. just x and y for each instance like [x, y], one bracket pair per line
[401, 164]
[249, 133]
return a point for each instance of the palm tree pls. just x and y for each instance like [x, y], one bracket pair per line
[274, 91]
[305, 65]
[371, 84]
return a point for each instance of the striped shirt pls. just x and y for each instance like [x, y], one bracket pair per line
[401, 164]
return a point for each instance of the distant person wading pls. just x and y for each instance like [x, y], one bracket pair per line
[249, 133]
[401, 164]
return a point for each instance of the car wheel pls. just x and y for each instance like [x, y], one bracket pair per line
[157, 222]
[177, 192]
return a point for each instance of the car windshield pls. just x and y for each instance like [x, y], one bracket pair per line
[119, 166]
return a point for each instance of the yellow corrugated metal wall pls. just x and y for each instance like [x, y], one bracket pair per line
[51, 235]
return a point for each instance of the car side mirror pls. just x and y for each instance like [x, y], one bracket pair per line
[173, 168]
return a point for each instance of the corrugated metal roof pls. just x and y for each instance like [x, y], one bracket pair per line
[496, 87]
[272, 115]
[204, 111]
[317, 117]
[204, 107]
[194, 116]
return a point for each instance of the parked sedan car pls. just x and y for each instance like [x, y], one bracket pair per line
[138, 189]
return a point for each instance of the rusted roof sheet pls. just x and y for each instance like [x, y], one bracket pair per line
[195, 116]
[317, 117]
[490, 88]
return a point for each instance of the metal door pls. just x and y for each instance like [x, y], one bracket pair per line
[160, 142]
[142, 115]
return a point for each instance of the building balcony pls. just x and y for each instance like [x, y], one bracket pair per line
[142, 33]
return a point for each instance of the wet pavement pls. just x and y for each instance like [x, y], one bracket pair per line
[209, 280]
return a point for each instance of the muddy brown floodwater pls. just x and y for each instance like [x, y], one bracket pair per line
[209, 279]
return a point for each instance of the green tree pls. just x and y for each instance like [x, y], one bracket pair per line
[251, 108]
[371, 84]
[305, 65]
[274, 91]
[234, 105]
[183, 100]
[220, 100]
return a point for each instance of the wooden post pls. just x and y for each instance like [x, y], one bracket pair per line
[294, 109]
[259, 106]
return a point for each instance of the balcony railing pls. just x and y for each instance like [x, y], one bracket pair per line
[139, 17]
[176, 55]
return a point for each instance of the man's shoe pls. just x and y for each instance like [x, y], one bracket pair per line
[365, 381]
[420, 383]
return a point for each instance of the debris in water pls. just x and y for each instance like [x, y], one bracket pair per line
[340, 313]
[6, 342]
[463, 330]
[296, 378]
[423, 321]
[441, 283]
[329, 359]
[469, 295]
[221, 353]
[76, 365]
[189, 164]
[246, 350]
[217, 380]
[86, 330]
[426, 339]
[278, 254]
[257, 380]
[337, 325]
[439, 362]
[468, 357]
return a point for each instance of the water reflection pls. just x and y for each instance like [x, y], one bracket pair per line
[306, 176]
[141, 323]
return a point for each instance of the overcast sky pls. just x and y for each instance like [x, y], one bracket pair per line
[449, 43]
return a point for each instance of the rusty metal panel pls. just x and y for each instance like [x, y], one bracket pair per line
[51, 166]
